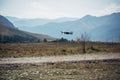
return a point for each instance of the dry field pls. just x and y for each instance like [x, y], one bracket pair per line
[50, 49]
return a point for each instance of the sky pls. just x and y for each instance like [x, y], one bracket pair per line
[58, 8]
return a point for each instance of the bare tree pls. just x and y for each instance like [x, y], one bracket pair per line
[85, 37]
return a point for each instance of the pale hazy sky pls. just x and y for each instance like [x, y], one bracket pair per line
[57, 8]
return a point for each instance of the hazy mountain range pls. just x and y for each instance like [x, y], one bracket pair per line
[9, 33]
[104, 28]
[36, 21]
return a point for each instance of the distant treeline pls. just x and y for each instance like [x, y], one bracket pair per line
[16, 39]
[21, 39]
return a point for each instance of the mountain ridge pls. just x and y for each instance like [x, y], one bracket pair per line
[36, 21]
[91, 24]
[10, 34]
[6, 21]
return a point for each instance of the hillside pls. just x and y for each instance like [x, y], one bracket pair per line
[108, 29]
[10, 34]
[5, 21]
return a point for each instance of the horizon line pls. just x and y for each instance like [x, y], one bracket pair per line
[58, 17]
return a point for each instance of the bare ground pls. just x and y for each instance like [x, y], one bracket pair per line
[53, 59]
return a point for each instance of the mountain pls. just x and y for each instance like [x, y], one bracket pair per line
[63, 19]
[5, 21]
[10, 34]
[54, 29]
[103, 28]
[20, 22]
[109, 30]
[107, 33]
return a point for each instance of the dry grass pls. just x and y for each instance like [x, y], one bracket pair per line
[96, 70]
[48, 49]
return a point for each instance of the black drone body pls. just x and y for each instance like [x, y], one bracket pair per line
[67, 32]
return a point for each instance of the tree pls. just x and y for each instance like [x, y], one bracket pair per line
[45, 40]
[84, 39]
[1, 39]
[62, 40]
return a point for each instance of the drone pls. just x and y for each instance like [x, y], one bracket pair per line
[67, 33]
